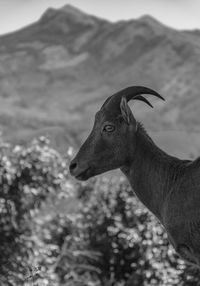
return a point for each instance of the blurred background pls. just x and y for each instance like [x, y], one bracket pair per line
[59, 61]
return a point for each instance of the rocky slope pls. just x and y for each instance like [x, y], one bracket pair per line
[55, 74]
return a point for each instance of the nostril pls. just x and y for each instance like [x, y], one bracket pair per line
[73, 166]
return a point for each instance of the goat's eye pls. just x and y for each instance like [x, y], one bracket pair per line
[109, 128]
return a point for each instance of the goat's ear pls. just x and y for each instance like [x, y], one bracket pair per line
[126, 111]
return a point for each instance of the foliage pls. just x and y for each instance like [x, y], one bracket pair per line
[29, 176]
[101, 237]
[132, 243]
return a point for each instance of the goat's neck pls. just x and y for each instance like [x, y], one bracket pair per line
[150, 171]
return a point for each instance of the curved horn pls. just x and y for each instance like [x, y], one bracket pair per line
[132, 92]
[142, 98]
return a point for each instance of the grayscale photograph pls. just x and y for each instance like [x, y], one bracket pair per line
[99, 143]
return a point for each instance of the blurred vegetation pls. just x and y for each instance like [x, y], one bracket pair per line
[103, 236]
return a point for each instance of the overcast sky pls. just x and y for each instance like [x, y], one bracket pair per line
[180, 14]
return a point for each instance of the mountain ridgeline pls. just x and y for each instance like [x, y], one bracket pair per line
[56, 73]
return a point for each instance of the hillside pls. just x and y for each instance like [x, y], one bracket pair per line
[55, 74]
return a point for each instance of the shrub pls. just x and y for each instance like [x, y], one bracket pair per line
[105, 236]
[132, 244]
[28, 177]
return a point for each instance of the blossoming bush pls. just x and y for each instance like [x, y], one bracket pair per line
[101, 236]
[29, 176]
[133, 245]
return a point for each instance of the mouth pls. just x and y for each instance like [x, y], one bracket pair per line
[84, 175]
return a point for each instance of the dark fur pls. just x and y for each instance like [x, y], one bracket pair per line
[167, 186]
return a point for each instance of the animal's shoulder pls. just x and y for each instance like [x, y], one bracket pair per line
[194, 165]
[190, 177]
[197, 161]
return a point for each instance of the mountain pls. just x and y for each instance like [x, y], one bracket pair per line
[56, 73]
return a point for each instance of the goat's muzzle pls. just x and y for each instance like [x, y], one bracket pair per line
[79, 172]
